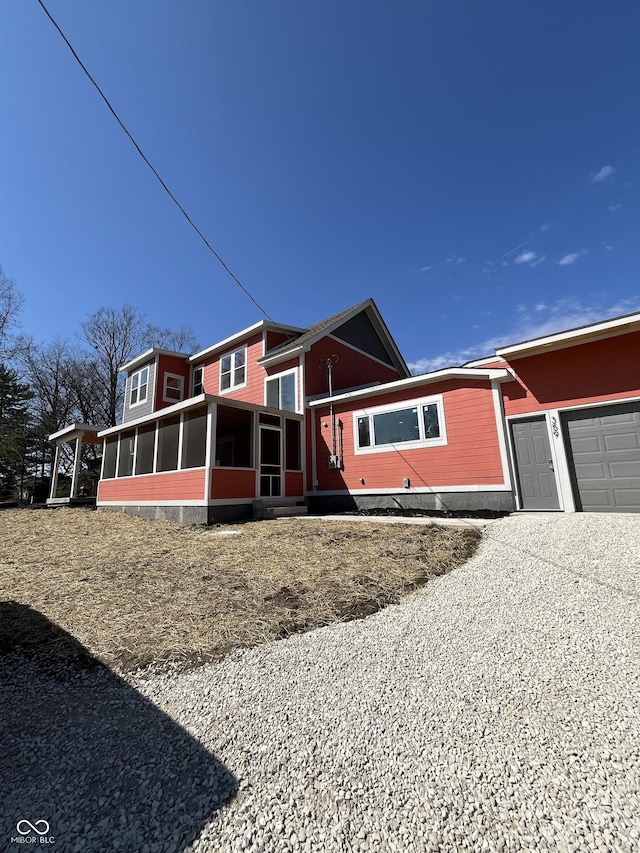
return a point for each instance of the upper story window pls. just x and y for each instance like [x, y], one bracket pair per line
[173, 388]
[418, 424]
[139, 387]
[198, 381]
[233, 369]
[280, 391]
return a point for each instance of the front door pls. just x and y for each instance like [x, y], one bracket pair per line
[534, 465]
[270, 462]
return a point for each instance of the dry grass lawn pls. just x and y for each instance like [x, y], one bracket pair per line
[136, 592]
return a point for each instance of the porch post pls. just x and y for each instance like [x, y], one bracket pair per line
[54, 472]
[76, 469]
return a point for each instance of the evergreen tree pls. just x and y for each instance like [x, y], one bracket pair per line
[16, 436]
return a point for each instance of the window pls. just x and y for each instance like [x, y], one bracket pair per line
[139, 386]
[281, 391]
[194, 439]
[420, 424]
[233, 369]
[173, 387]
[198, 384]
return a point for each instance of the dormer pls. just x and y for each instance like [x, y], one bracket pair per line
[155, 379]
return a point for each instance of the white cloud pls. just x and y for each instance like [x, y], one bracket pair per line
[614, 207]
[538, 261]
[425, 269]
[454, 259]
[602, 175]
[608, 247]
[532, 323]
[545, 227]
[571, 258]
[526, 257]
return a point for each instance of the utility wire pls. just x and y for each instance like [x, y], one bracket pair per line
[141, 153]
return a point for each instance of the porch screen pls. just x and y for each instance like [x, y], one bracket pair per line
[194, 440]
[168, 435]
[125, 462]
[146, 446]
[110, 451]
[234, 438]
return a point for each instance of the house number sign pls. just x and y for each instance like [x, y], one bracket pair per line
[554, 426]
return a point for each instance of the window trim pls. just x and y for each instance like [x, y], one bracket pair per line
[180, 379]
[139, 401]
[268, 379]
[398, 407]
[233, 386]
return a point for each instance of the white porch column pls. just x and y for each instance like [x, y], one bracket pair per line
[54, 472]
[76, 469]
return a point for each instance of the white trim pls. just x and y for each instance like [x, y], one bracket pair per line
[296, 402]
[418, 490]
[181, 444]
[596, 331]
[303, 428]
[159, 414]
[500, 375]
[560, 461]
[192, 378]
[420, 443]
[233, 386]
[576, 406]
[73, 428]
[180, 379]
[209, 453]
[315, 418]
[501, 428]
[481, 362]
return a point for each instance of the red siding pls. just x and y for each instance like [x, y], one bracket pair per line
[171, 364]
[578, 375]
[352, 369]
[471, 456]
[253, 391]
[169, 486]
[233, 483]
[274, 339]
[293, 484]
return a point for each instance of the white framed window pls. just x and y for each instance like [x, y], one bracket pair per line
[414, 423]
[197, 381]
[139, 387]
[281, 391]
[173, 388]
[233, 370]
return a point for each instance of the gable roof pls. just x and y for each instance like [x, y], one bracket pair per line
[314, 333]
[260, 326]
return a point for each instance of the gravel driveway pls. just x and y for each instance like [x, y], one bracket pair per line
[496, 709]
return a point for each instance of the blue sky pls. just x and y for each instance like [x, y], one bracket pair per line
[473, 167]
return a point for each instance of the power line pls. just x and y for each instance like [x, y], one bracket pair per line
[141, 153]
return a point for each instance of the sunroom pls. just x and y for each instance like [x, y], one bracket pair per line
[202, 460]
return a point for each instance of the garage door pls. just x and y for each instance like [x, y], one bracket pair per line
[603, 446]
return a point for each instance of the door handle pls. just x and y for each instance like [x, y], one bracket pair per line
[551, 468]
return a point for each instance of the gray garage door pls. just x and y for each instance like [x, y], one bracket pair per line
[603, 446]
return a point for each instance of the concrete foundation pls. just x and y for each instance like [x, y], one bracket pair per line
[187, 514]
[443, 502]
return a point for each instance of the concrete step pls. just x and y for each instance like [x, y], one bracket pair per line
[279, 507]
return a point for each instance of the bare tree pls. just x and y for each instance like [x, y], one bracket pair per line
[11, 302]
[116, 336]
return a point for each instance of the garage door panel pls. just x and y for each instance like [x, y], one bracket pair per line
[626, 441]
[603, 450]
[589, 444]
[622, 470]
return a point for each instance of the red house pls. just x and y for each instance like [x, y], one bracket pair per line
[330, 417]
